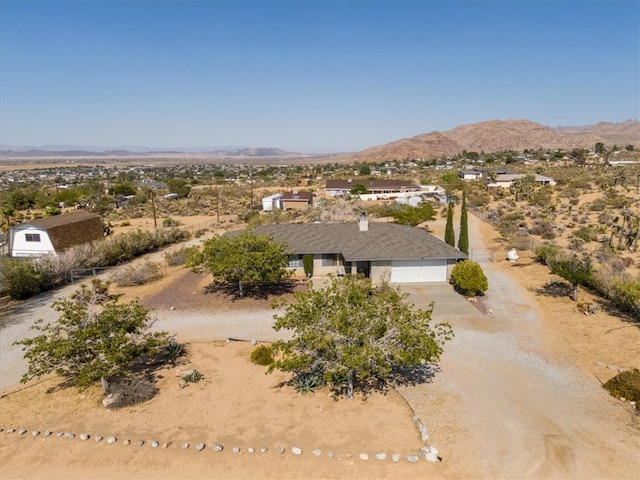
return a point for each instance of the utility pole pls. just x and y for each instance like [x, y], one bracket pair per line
[152, 194]
[218, 204]
[251, 183]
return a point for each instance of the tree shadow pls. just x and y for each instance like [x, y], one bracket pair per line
[137, 385]
[13, 312]
[261, 291]
[555, 289]
[412, 376]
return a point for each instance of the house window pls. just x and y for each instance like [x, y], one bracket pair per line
[295, 261]
[32, 237]
[330, 259]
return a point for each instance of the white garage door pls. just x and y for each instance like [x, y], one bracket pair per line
[418, 271]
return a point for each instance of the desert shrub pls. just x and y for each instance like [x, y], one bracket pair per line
[262, 356]
[626, 385]
[193, 377]
[598, 205]
[179, 256]
[510, 223]
[477, 199]
[627, 261]
[569, 192]
[468, 278]
[626, 294]
[131, 390]
[547, 252]
[540, 227]
[549, 235]
[125, 223]
[308, 381]
[586, 233]
[19, 278]
[200, 232]
[542, 197]
[169, 222]
[175, 350]
[139, 274]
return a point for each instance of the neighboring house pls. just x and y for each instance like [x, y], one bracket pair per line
[381, 251]
[504, 180]
[296, 200]
[52, 235]
[338, 188]
[272, 202]
[470, 174]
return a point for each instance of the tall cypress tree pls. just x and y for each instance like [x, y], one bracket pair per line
[449, 234]
[463, 241]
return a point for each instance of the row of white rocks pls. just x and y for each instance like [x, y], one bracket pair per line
[430, 454]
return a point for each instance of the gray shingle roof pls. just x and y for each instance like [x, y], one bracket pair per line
[383, 241]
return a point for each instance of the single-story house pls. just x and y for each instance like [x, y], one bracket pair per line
[338, 188]
[296, 200]
[52, 235]
[381, 251]
[504, 180]
[470, 174]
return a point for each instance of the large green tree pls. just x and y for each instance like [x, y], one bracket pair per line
[95, 338]
[449, 233]
[463, 239]
[243, 259]
[411, 216]
[351, 330]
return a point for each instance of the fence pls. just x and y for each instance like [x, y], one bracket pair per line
[77, 274]
[521, 240]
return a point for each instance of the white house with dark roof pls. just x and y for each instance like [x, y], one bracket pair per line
[504, 180]
[52, 235]
[381, 251]
[338, 188]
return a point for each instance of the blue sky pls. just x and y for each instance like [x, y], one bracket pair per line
[313, 75]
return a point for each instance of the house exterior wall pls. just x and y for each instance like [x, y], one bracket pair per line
[294, 204]
[380, 272]
[20, 247]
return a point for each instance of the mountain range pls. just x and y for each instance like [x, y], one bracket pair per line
[488, 136]
[501, 135]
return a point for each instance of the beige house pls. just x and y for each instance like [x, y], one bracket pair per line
[296, 200]
[381, 251]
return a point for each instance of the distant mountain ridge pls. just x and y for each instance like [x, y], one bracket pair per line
[487, 136]
[501, 135]
[79, 151]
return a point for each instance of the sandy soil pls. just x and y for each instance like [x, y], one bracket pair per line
[516, 395]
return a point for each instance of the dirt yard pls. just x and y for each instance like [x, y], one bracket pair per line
[517, 395]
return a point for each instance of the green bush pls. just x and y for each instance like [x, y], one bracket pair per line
[179, 256]
[170, 222]
[547, 252]
[20, 279]
[307, 263]
[625, 384]
[262, 356]
[469, 279]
